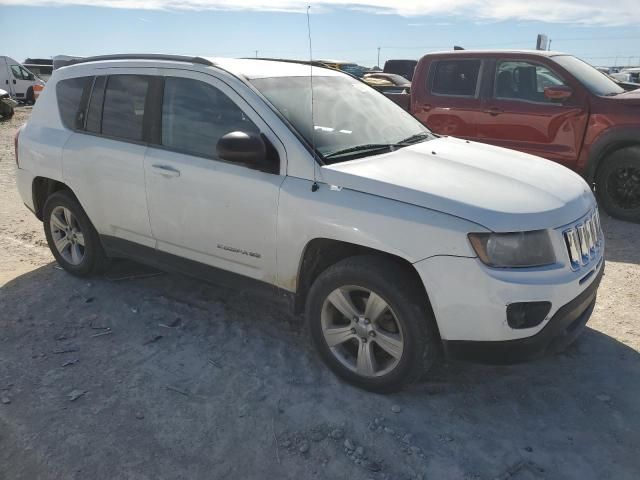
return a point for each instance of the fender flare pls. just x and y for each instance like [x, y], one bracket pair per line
[612, 139]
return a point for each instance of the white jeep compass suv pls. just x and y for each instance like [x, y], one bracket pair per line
[395, 242]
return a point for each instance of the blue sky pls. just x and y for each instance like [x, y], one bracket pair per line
[351, 31]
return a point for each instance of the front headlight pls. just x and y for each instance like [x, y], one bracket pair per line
[514, 250]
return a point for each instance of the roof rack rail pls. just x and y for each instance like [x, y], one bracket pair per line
[142, 56]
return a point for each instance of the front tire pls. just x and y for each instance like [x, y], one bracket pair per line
[73, 240]
[370, 323]
[618, 184]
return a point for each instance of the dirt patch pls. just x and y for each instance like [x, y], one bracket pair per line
[161, 376]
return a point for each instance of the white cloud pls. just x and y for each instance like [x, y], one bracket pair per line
[584, 12]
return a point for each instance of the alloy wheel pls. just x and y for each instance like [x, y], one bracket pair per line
[67, 235]
[362, 331]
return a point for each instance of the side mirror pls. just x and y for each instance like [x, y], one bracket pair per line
[242, 147]
[558, 92]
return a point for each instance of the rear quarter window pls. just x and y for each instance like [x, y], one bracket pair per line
[69, 94]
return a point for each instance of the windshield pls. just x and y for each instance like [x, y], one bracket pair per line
[597, 82]
[347, 113]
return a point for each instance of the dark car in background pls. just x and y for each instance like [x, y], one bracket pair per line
[401, 67]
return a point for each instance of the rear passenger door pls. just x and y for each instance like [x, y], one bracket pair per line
[212, 211]
[453, 102]
[103, 160]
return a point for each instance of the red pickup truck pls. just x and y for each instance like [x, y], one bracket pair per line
[544, 103]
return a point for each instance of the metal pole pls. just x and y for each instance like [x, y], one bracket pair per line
[378, 64]
[256, 53]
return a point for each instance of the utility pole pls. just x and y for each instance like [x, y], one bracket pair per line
[256, 53]
[549, 47]
[378, 65]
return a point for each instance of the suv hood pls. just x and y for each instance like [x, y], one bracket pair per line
[502, 190]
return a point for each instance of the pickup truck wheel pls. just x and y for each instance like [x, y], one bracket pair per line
[618, 184]
[72, 238]
[370, 324]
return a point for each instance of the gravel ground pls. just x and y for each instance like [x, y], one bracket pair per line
[167, 377]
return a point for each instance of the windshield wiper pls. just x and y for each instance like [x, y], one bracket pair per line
[361, 148]
[418, 137]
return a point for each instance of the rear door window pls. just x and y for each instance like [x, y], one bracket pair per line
[70, 94]
[456, 78]
[124, 104]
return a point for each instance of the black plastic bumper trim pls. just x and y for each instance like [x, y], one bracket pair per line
[563, 328]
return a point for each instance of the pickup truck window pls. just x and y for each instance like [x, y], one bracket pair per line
[520, 80]
[456, 77]
[195, 115]
[347, 114]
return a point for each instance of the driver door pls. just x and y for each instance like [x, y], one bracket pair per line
[202, 208]
[517, 114]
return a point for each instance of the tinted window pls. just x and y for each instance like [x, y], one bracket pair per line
[94, 112]
[124, 103]
[195, 115]
[69, 93]
[524, 81]
[456, 77]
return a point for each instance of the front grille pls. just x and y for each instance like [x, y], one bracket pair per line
[584, 240]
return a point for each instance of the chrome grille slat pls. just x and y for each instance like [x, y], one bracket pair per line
[584, 240]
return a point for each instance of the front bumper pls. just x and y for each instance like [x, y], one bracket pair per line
[559, 332]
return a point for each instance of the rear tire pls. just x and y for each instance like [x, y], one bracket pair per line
[73, 240]
[394, 341]
[618, 184]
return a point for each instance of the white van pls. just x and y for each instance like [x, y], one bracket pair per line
[18, 81]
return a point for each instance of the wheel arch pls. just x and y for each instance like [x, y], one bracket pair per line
[42, 188]
[321, 253]
[610, 141]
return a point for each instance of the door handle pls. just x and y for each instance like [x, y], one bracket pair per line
[426, 108]
[493, 111]
[166, 170]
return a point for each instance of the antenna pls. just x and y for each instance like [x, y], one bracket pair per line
[314, 186]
